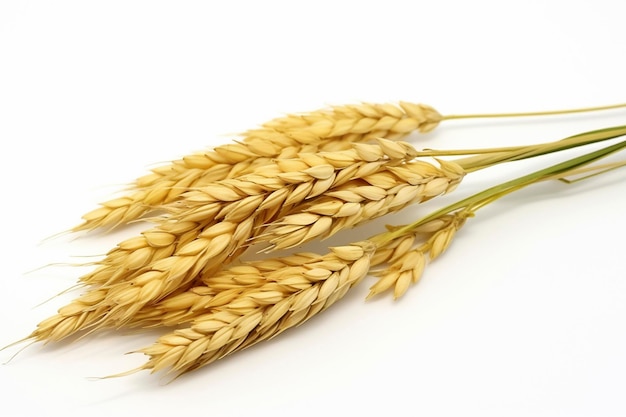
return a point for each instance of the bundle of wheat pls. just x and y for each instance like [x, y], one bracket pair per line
[295, 179]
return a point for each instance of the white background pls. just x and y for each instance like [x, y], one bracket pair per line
[523, 316]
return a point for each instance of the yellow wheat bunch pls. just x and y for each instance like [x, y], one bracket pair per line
[177, 272]
[134, 276]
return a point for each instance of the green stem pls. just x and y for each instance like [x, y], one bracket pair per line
[597, 170]
[458, 152]
[476, 163]
[536, 113]
[489, 195]
[514, 153]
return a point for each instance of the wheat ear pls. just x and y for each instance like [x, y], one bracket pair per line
[216, 290]
[405, 259]
[326, 130]
[361, 200]
[302, 178]
[261, 313]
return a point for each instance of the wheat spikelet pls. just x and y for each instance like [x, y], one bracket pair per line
[138, 252]
[222, 287]
[69, 319]
[290, 296]
[406, 264]
[358, 122]
[361, 200]
[329, 130]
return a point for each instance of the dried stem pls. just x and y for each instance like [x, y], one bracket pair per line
[535, 113]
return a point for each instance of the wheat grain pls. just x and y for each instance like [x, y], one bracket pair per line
[138, 252]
